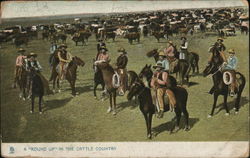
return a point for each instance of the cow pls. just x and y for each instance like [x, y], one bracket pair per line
[159, 35]
[109, 35]
[132, 36]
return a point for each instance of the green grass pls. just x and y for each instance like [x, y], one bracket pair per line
[83, 118]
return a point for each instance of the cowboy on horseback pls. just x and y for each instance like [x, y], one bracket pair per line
[159, 82]
[103, 56]
[220, 48]
[32, 65]
[19, 64]
[183, 47]
[64, 59]
[163, 60]
[170, 53]
[229, 67]
[99, 45]
[121, 64]
[52, 49]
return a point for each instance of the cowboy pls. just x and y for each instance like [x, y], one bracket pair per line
[52, 49]
[163, 60]
[121, 64]
[99, 46]
[32, 63]
[103, 56]
[183, 47]
[159, 82]
[19, 63]
[220, 48]
[170, 53]
[230, 67]
[64, 58]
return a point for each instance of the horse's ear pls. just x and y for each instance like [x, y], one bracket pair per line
[149, 66]
[146, 65]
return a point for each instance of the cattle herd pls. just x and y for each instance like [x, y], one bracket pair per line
[160, 24]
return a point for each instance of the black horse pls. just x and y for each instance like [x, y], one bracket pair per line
[219, 87]
[37, 89]
[98, 79]
[148, 108]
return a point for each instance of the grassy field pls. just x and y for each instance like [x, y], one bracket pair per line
[84, 118]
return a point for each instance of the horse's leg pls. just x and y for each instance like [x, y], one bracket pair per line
[215, 101]
[110, 102]
[40, 104]
[32, 103]
[54, 82]
[186, 115]
[237, 102]
[72, 84]
[225, 105]
[178, 118]
[95, 86]
[149, 125]
[114, 99]
[58, 84]
[146, 119]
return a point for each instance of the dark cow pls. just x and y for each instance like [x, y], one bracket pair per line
[159, 35]
[109, 35]
[21, 39]
[133, 36]
[79, 37]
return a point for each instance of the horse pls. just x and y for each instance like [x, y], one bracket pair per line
[98, 78]
[148, 108]
[21, 80]
[70, 74]
[37, 90]
[219, 87]
[108, 73]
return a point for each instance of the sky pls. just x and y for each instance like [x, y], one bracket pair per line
[18, 9]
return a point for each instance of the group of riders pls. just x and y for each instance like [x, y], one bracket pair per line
[159, 81]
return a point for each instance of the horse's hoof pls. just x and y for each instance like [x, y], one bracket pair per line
[109, 110]
[149, 136]
[40, 112]
[236, 112]
[24, 99]
[95, 97]
[209, 116]
[102, 99]
[114, 113]
[227, 114]
[59, 91]
[54, 91]
[187, 128]
[234, 108]
[31, 112]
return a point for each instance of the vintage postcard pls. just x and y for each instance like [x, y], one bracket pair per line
[124, 78]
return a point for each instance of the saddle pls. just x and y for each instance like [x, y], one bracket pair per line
[165, 99]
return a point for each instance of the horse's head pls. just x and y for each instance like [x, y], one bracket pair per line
[135, 89]
[146, 72]
[152, 53]
[210, 69]
[78, 61]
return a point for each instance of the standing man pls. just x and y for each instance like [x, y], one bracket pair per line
[121, 64]
[64, 59]
[19, 63]
[183, 47]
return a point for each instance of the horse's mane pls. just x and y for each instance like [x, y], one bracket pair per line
[151, 53]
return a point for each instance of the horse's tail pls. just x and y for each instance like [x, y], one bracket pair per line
[243, 80]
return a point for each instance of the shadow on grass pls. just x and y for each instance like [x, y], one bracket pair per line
[231, 104]
[168, 126]
[82, 89]
[56, 103]
[132, 104]
[192, 84]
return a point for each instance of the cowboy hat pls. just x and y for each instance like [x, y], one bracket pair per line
[21, 50]
[231, 51]
[183, 37]
[32, 54]
[161, 53]
[121, 50]
[103, 48]
[220, 39]
[158, 64]
[62, 45]
[170, 42]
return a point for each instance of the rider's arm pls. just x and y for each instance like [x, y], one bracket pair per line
[186, 45]
[69, 57]
[60, 58]
[164, 77]
[39, 66]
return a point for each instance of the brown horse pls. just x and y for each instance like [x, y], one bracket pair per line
[70, 74]
[21, 80]
[108, 73]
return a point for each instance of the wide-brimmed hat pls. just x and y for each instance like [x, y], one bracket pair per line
[170, 42]
[231, 51]
[121, 50]
[220, 39]
[21, 50]
[100, 40]
[183, 38]
[103, 48]
[161, 53]
[32, 55]
[62, 46]
[158, 65]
